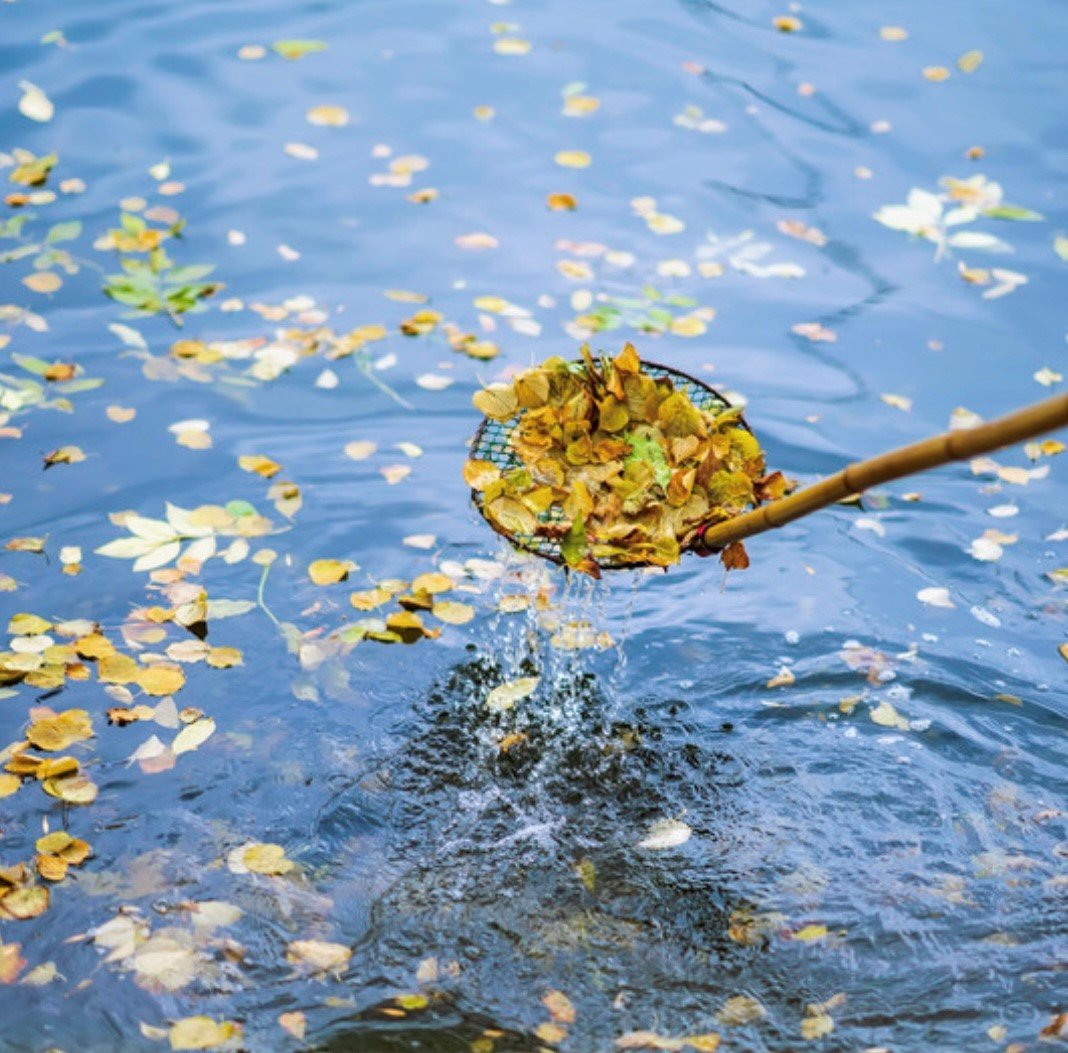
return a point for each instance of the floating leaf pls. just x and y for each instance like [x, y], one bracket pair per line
[330, 571]
[319, 955]
[193, 736]
[61, 731]
[297, 49]
[260, 858]
[328, 116]
[34, 104]
[666, 833]
[505, 696]
[201, 1032]
[935, 596]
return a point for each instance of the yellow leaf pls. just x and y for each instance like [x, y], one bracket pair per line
[453, 613]
[118, 669]
[9, 784]
[201, 1032]
[43, 281]
[506, 695]
[561, 202]
[330, 571]
[161, 679]
[256, 462]
[787, 24]
[27, 625]
[511, 46]
[560, 1007]
[61, 731]
[194, 735]
[433, 583]
[260, 858]
[23, 903]
[497, 401]
[296, 1023]
[970, 61]
[74, 789]
[360, 449]
[224, 657]
[936, 73]
[319, 955]
[328, 116]
[810, 932]
[573, 159]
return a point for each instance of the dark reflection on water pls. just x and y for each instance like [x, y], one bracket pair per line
[930, 840]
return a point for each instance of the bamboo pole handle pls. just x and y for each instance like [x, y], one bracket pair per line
[961, 445]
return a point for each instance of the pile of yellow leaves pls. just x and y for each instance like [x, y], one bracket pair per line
[615, 465]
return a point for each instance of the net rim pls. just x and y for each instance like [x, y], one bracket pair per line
[554, 557]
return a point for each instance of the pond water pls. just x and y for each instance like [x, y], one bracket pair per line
[862, 735]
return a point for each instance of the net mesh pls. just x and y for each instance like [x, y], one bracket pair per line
[493, 442]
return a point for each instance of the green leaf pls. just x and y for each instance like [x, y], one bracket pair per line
[240, 508]
[575, 545]
[33, 365]
[65, 231]
[1017, 212]
[193, 272]
[295, 49]
[646, 448]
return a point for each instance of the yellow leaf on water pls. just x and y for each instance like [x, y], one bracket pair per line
[27, 625]
[194, 735]
[296, 1023]
[20, 904]
[893, 34]
[360, 449]
[74, 789]
[573, 159]
[936, 73]
[396, 473]
[161, 679]
[1062, 650]
[560, 1007]
[201, 1032]
[810, 932]
[511, 46]
[328, 116]
[433, 582]
[259, 464]
[506, 695]
[61, 731]
[330, 571]
[886, 716]
[816, 1025]
[787, 24]
[9, 784]
[43, 281]
[224, 657]
[561, 202]
[260, 858]
[898, 402]
[318, 954]
[453, 613]
[970, 61]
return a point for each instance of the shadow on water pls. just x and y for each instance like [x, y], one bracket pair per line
[515, 866]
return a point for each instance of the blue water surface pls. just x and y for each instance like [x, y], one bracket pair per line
[863, 732]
